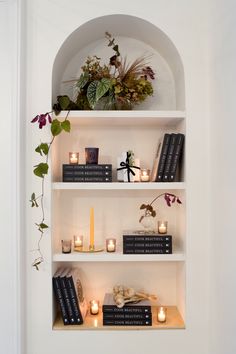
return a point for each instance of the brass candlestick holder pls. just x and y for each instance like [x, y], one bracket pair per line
[89, 249]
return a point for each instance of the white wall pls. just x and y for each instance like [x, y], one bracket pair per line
[222, 59]
[49, 24]
[12, 183]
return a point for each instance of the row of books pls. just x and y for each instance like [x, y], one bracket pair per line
[69, 296]
[169, 157]
[132, 314]
[146, 244]
[87, 173]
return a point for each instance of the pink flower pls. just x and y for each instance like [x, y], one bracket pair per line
[42, 119]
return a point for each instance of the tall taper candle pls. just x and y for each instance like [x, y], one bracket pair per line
[91, 245]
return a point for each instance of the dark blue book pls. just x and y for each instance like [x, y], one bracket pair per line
[59, 297]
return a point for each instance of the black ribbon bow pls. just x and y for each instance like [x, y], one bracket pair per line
[126, 166]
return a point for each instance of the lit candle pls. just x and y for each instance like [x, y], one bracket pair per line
[94, 308]
[66, 246]
[145, 175]
[73, 158]
[78, 241]
[162, 227]
[161, 314]
[91, 245]
[111, 244]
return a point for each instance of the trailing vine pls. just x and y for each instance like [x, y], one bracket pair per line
[41, 170]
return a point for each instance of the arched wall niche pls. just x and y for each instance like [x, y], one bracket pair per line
[135, 37]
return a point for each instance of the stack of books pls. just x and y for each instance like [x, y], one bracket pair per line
[170, 158]
[87, 173]
[132, 314]
[69, 296]
[136, 242]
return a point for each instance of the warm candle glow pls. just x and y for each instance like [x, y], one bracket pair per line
[78, 241]
[162, 227]
[73, 158]
[94, 308]
[91, 244]
[111, 244]
[161, 314]
[145, 175]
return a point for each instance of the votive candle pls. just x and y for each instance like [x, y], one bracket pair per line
[145, 175]
[161, 314]
[162, 227]
[78, 241]
[111, 244]
[94, 307]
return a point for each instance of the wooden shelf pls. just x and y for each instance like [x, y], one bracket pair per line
[125, 118]
[117, 257]
[118, 186]
[94, 322]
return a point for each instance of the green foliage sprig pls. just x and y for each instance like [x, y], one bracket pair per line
[41, 170]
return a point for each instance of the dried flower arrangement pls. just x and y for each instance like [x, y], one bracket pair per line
[123, 295]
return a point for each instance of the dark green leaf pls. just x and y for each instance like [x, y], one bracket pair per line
[42, 148]
[43, 226]
[91, 93]
[66, 125]
[143, 206]
[64, 102]
[82, 80]
[116, 49]
[56, 127]
[102, 87]
[41, 170]
[33, 196]
[154, 213]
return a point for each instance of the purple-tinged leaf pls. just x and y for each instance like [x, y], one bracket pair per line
[35, 119]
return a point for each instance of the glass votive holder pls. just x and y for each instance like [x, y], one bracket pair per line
[78, 241]
[111, 244]
[162, 227]
[73, 158]
[161, 314]
[94, 307]
[145, 175]
[91, 155]
[66, 246]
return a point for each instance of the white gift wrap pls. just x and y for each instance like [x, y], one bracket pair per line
[122, 175]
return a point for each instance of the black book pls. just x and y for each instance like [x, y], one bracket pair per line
[169, 157]
[132, 236]
[87, 179]
[109, 306]
[66, 296]
[59, 297]
[147, 245]
[127, 316]
[162, 161]
[133, 250]
[83, 167]
[176, 157]
[107, 322]
[87, 173]
[75, 301]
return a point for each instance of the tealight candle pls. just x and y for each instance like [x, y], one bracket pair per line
[78, 241]
[73, 158]
[94, 307]
[162, 227]
[161, 314]
[66, 246]
[111, 244]
[145, 175]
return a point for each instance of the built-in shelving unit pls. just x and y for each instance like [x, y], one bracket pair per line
[116, 204]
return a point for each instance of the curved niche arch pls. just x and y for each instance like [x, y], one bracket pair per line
[135, 37]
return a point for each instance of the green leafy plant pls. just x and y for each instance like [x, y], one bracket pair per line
[149, 210]
[41, 170]
[116, 85]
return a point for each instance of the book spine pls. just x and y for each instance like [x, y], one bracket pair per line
[146, 251]
[65, 294]
[163, 155]
[74, 300]
[103, 167]
[169, 157]
[176, 157]
[87, 173]
[87, 179]
[107, 322]
[126, 309]
[127, 316]
[167, 238]
[147, 245]
[60, 300]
